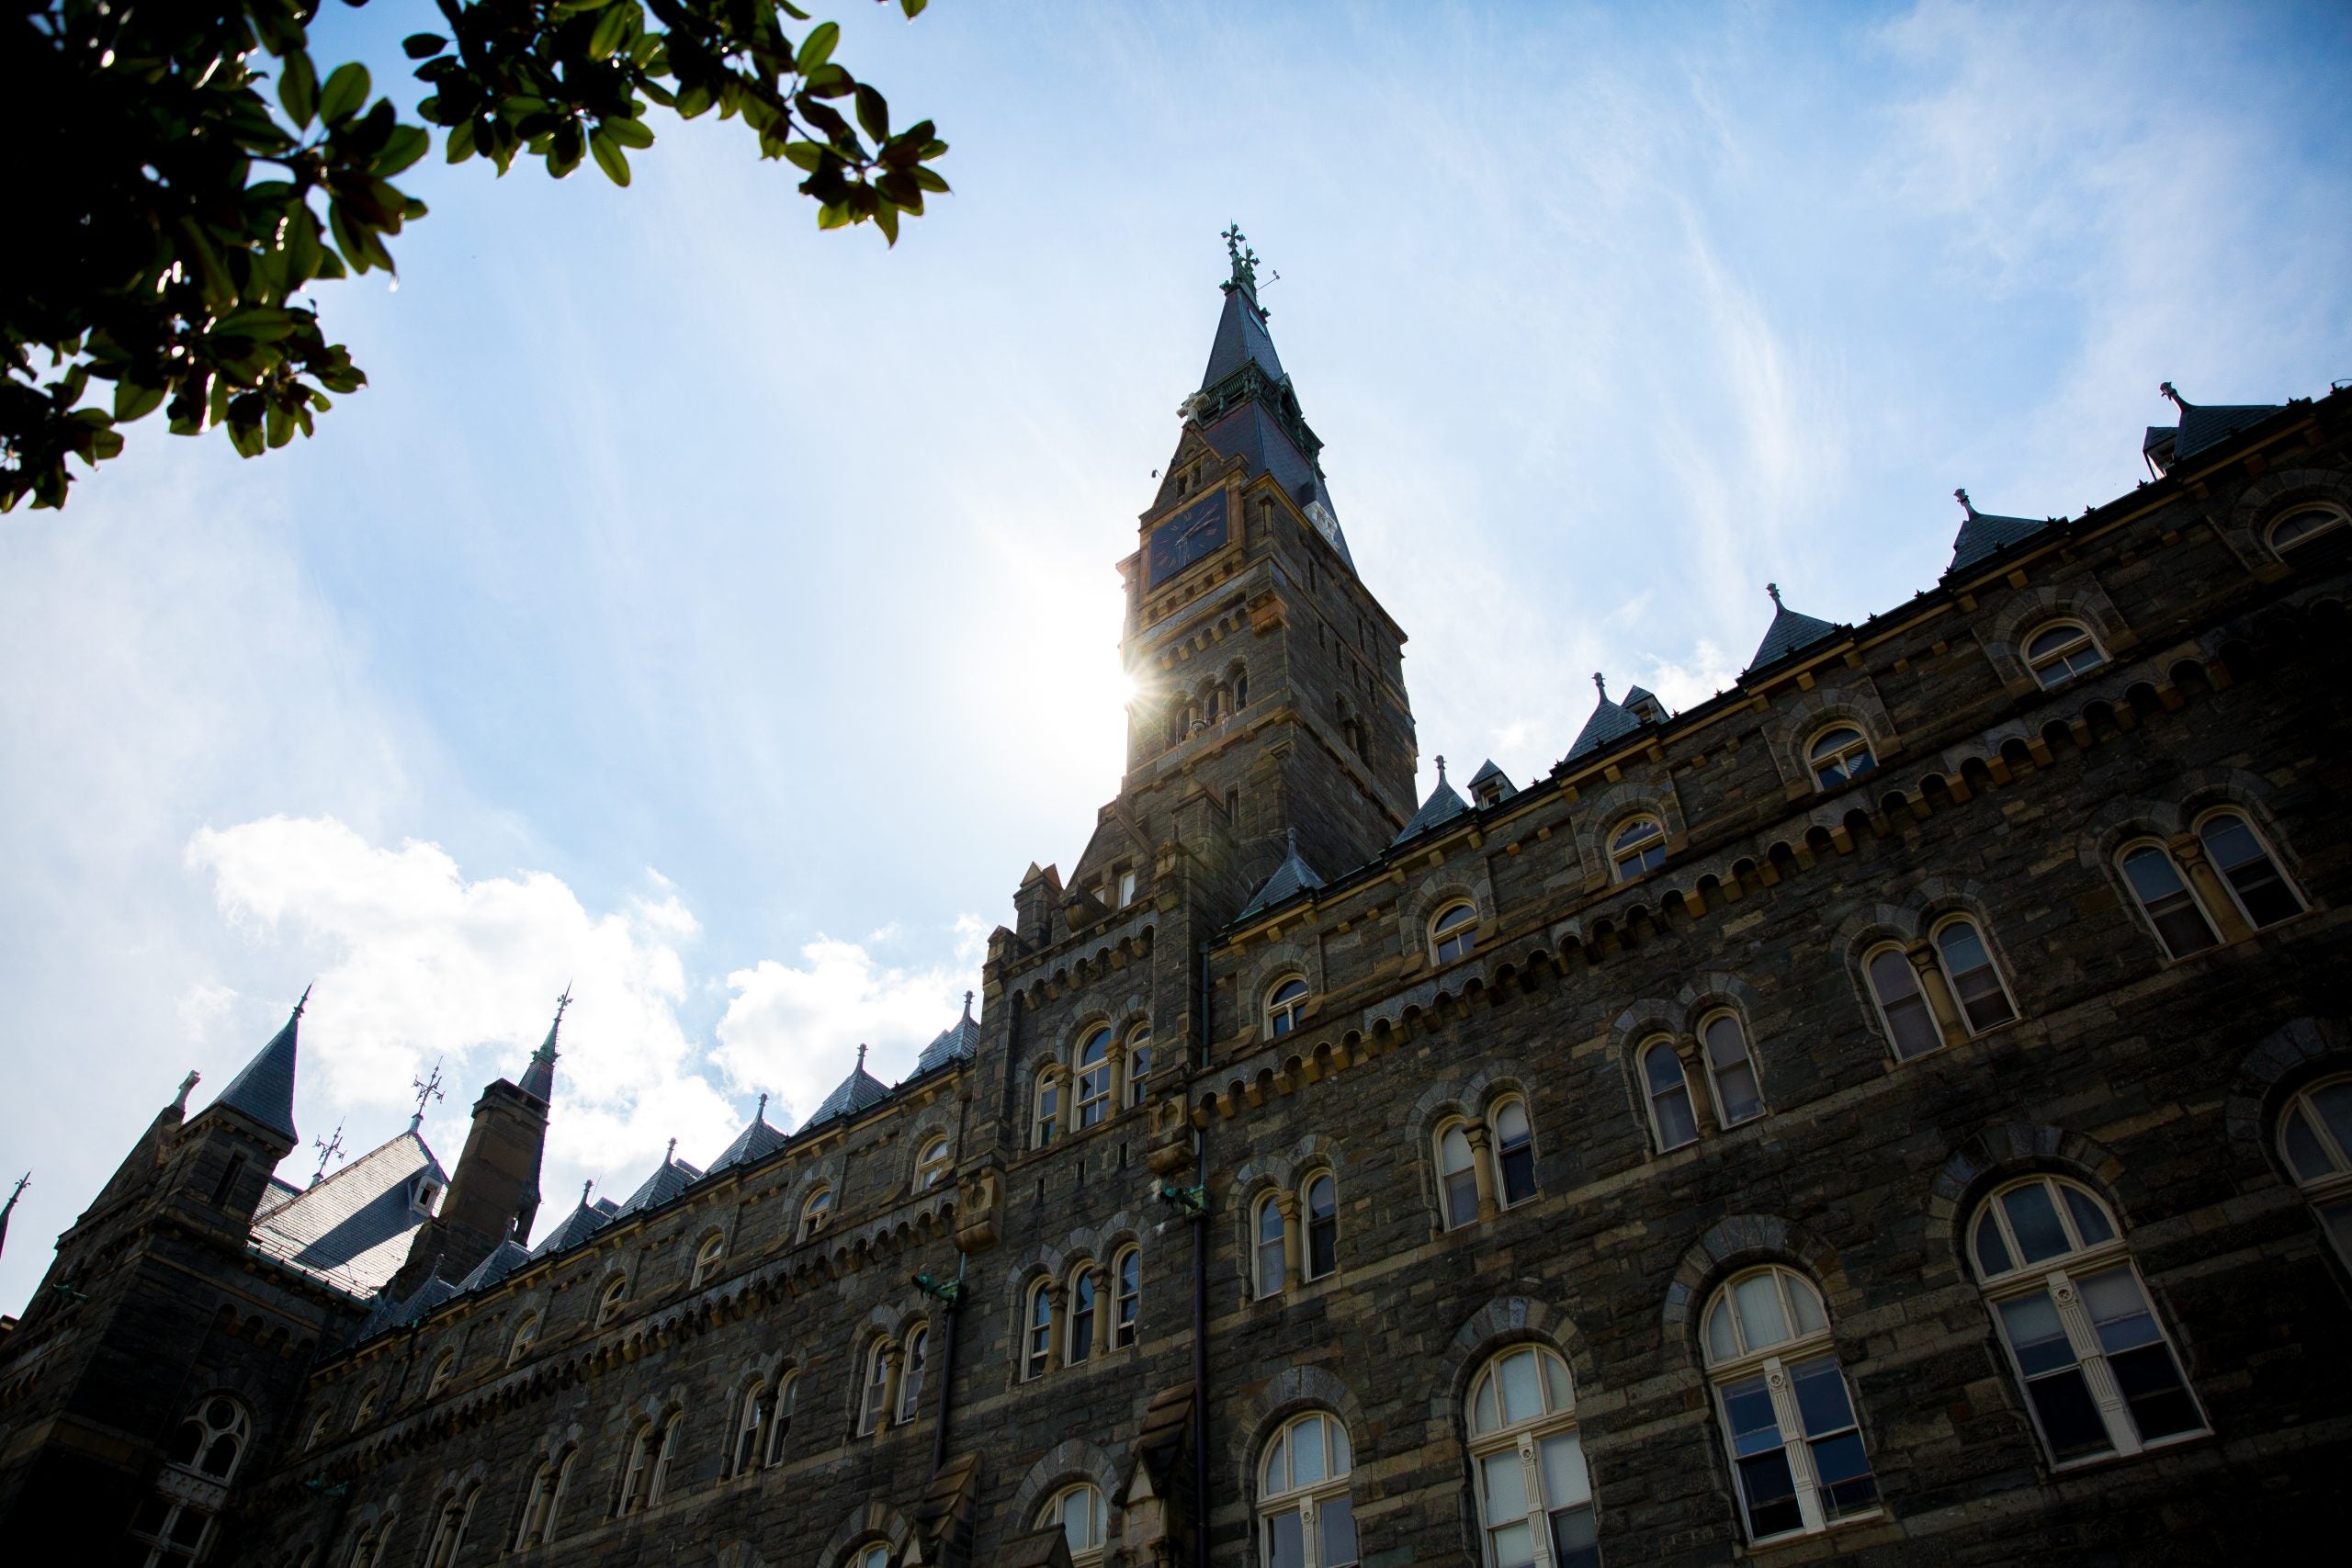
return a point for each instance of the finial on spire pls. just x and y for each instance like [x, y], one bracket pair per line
[303, 1002]
[1440, 770]
[1966, 505]
[2177, 400]
[860, 1057]
[187, 1085]
[428, 1089]
[1601, 686]
[1291, 833]
[1244, 260]
[1775, 590]
[762, 1113]
[670, 1153]
[967, 1004]
[585, 1187]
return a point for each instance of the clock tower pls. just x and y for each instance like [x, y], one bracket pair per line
[1269, 681]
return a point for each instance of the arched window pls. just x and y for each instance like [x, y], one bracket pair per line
[1240, 689]
[1322, 1204]
[1079, 1510]
[1528, 1462]
[1457, 1175]
[2099, 1371]
[1902, 1005]
[2058, 653]
[910, 1372]
[319, 1426]
[1045, 1106]
[1138, 1063]
[1672, 1119]
[1286, 1002]
[1730, 1068]
[873, 1408]
[637, 1469]
[707, 1258]
[1514, 1151]
[788, 1394]
[1094, 1078]
[2315, 1140]
[751, 1428]
[1268, 1257]
[1796, 1449]
[544, 1502]
[1037, 1352]
[815, 1212]
[1453, 934]
[1636, 848]
[173, 1524]
[445, 1366]
[1305, 1516]
[526, 1334]
[365, 1411]
[449, 1530]
[1081, 1315]
[616, 1297]
[2302, 525]
[876, 1555]
[2165, 900]
[665, 1457]
[1839, 756]
[2264, 896]
[930, 1162]
[1975, 981]
[1127, 1297]
[364, 1552]
[212, 1439]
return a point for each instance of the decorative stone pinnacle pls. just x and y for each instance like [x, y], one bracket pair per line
[967, 1004]
[303, 1002]
[860, 1057]
[1601, 686]
[1775, 590]
[1292, 834]
[1966, 505]
[585, 1187]
[670, 1153]
[1440, 770]
[2177, 400]
[187, 1085]
[762, 1113]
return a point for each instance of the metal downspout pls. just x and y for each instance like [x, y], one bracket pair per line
[1200, 1298]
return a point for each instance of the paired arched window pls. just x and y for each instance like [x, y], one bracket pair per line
[1081, 1315]
[1454, 932]
[874, 1406]
[445, 1366]
[1673, 1121]
[1321, 1202]
[616, 1297]
[816, 1210]
[1976, 985]
[2097, 1368]
[449, 1530]
[911, 1370]
[209, 1443]
[1789, 1426]
[650, 1453]
[1637, 848]
[1903, 1006]
[766, 1417]
[1528, 1463]
[2315, 1140]
[1045, 1106]
[1270, 1248]
[2261, 890]
[1731, 1068]
[1138, 1063]
[930, 1162]
[1475, 1163]
[1838, 756]
[707, 1258]
[365, 1411]
[2302, 525]
[1127, 1297]
[1457, 1175]
[1037, 1339]
[2156, 882]
[1285, 1005]
[544, 1502]
[1514, 1138]
[526, 1334]
[1079, 1510]
[1305, 1519]
[2059, 652]
[1094, 1078]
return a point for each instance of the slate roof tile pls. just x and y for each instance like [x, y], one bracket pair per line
[353, 1229]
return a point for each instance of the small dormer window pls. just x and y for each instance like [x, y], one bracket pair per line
[424, 1192]
[1126, 886]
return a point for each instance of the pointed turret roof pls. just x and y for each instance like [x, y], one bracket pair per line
[673, 1177]
[539, 1078]
[265, 1090]
[959, 1041]
[1984, 534]
[1442, 807]
[1610, 723]
[1789, 632]
[1241, 336]
[504, 1259]
[1290, 878]
[857, 1092]
[391, 1311]
[2202, 426]
[584, 1222]
[755, 1142]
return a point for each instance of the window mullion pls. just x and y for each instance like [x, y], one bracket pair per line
[1310, 1550]
[2083, 1337]
[1539, 1511]
[1792, 1443]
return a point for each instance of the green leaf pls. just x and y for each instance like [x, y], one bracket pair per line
[805, 154]
[627, 132]
[298, 87]
[610, 158]
[345, 95]
[873, 113]
[134, 401]
[913, 8]
[818, 47]
[832, 216]
[404, 146]
[611, 29]
[346, 238]
[423, 46]
[886, 218]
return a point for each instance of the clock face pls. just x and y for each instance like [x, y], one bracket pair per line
[1195, 532]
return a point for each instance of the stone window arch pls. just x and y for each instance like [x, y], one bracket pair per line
[934, 1158]
[2007, 638]
[445, 1366]
[2300, 526]
[1037, 1330]
[1838, 753]
[2250, 872]
[2257, 521]
[2062, 650]
[1084, 1519]
[708, 1253]
[1068, 1466]
[1636, 846]
[1732, 1079]
[1126, 1296]
[1285, 1004]
[1092, 1099]
[612, 1299]
[1790, 1428]
[526, 1334]
[450, 1523]
[1980, 991]
[206, 1449]
[1527, 1468]
[2168, 903]
[537, 1521]
[1454, 932]
[1306, 1511]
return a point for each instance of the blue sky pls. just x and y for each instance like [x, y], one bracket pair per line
[720, 615]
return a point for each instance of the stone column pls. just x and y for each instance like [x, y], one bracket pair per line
[1101, 1274]
[893, 1355]
[1057, 1294]
[1699, 1075]
[1482, 1165]
[1294, 1249]
[1938, 990]
[1116, 1059]
[2220, 908]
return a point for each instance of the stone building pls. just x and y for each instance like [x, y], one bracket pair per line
[1899, 1109]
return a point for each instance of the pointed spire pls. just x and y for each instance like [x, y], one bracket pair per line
[1984, 533]
[1609, 723]
[1966, 505]
[22, 1182]
[1789, 631]
[1443, 806]
[1290, 878]
[1600, 684]
[585, 1187]
[188, 1083]
[265, 1090]
[669, 1153]
[762, 1113]
[539, 1078]
[967, 1007]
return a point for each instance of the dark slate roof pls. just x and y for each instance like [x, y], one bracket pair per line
[265, 1090]
[756, 1141]
[1984, 533]
[2201, 427]
[352, 1230]
[1241, 336]
[673, 1177]
[504, 1259]
[857, 1092]
[278, 1191]
[584, 1222]
[1789, 632]
[538, 1077]
[1290, 878]
[1442, 807]
[1252, 434]
[389, 1312]
[1610, 723]
[959, 1041]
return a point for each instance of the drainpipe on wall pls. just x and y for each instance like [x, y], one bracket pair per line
[1201, 1297]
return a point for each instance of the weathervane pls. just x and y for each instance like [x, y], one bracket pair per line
[1245, 263]
[427, 1089]
[328, 1149]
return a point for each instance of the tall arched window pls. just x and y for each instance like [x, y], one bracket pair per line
[751, 1428]
[1094, 1078]
[637, 1470]
[1046, 1107]
[1322, 1204]
[930, 1162]
[2097, 1368]
[319, 1426]
[1138, 1063]
[449, 1530]
[616, 1297]
[1079, 1510]
[445, 1366]
[1839, 756]
[1672, 1120]
[815, 1212]
[2263, 895]
[1268, 1253]
[1796, 1449]
[1514, 1151]
[1457, 1175]
[543, 1505]
[1037, 1351]
[1636, 848]
[1528, 1463]
[1127, 1297]
[910, 1372]
[2165, 900]
[1731, 1070]
[707, 1258]
[1902, 1005]
[873, 1408]
[365, 1411]
[364, 1552]
[1975, 980]
[2059, 652]
[2302, 525]
[1453, 934]
[1285, 1004]
[874, 1555]
[1305, 1516]
[2315, 1140]
[526, 1334]
[1081, 1315]
[174, 1525]
[788, 1394]
[665, 1457]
